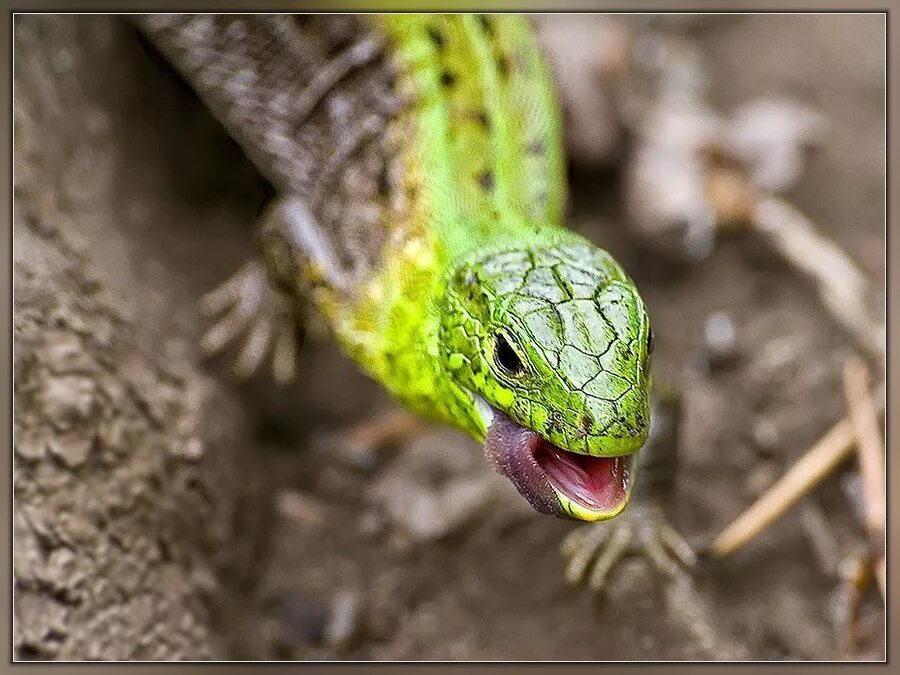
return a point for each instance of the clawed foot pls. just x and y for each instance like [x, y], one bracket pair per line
[247, 305]
[594, 550]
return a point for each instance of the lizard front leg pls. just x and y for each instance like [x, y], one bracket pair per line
[643, 529]
[268, 301]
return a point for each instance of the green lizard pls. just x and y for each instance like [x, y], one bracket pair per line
[420, 181]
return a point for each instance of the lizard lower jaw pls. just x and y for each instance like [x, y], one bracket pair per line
[553, 480]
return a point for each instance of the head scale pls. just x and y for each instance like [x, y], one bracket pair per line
[558, 339]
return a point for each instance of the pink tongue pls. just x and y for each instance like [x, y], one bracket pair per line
[599, 483]
[534, 465]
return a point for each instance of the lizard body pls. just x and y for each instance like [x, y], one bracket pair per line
[420, 173]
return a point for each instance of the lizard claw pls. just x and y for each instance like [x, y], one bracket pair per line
[593, 550]
[247, 304]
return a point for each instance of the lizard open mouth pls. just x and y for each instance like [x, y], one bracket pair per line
[557, 481]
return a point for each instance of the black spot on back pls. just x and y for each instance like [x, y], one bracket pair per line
[486, 180]
[482, 118]
[448, 79]
[503, 65]
[536, 147]
[486, 25]
[437, 37]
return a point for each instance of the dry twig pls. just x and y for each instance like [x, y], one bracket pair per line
[863, 417]
[808, 471]
[856, 574]
[844, 289]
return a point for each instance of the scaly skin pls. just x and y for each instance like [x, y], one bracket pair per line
[474, 303]
[485, 255]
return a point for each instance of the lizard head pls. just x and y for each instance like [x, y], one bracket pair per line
[551, 346]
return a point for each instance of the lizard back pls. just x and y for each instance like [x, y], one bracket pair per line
[389, 126]
[307, 97]
[474, 305]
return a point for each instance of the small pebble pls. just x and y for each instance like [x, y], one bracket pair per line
[300, 508]
[30, 446]
[190, 450]
[67, 400]
[345, 618]
[719, 334]
[371, 524]
[700, 235]
[766, 435]
[760, 479]
[72, 449]
[64, 353]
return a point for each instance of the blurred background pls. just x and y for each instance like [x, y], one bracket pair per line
[734, 165]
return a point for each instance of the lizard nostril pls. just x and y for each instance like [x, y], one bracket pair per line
[586, 422]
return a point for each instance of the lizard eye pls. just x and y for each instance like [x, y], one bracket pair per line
[649, 341]
[505, 356]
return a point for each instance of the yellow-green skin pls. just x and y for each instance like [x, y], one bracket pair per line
[481, 251]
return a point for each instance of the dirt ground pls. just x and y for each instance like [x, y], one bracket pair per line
[348, 553]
